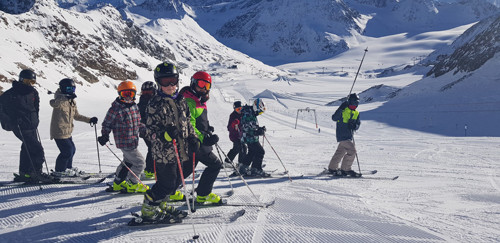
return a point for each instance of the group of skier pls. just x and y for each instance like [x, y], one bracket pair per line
[174, 125]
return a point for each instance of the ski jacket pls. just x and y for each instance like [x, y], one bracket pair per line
[199, 115]
[343, 116]
[125, 122]
[249, 125]
[143, 103]
[233, 126]
[163, 111]
[20, 106]
[65, 110]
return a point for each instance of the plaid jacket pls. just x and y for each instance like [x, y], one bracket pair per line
[125, 122]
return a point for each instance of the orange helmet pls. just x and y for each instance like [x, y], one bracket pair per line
[127, 89]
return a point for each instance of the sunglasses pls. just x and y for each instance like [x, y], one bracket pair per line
[203, 84]
[127, 93]
[168, 81]
[70, 89]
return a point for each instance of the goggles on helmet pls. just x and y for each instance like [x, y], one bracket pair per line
[203, 84]
[127, 93]
[29, 81]
[238, 109]
[70, 89]
[168, 81]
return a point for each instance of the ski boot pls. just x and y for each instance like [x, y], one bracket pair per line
[149, 175]
[211, 198]
[22, 177]
[178, 196]
[352, 173]
[152, 211]
[175, 213]
[119, 187]
[258, 173]
[138, 187]
[243, 169]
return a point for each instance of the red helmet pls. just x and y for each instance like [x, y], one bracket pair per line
[202, 80]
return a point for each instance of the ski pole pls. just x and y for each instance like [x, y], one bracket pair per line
[123, 163]
[195, 236]
[366, 50]
[356, 152]
[192, 188]
[225, 172]
[286, 171]
[239, 174]
[29, 156]
[44, 160]
[97, 145]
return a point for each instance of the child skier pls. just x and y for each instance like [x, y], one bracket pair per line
[233, 125]
[347, 119]
[148, 90]
[124, 119]
[19, 108]
[61, 126]
[167, 120]
[251, 131]
[196, 95]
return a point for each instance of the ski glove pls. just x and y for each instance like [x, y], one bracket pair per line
[103, 139]
[352, 124]
[93, 120]
[211, 129]
[171, 132]
[210, 139]
[261, 130]
[193, 144]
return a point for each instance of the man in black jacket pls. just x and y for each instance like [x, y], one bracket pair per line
[19, 114]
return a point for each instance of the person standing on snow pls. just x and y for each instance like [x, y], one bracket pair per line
[233, 126]
[148, 90]
[347, 119]
[167, 118]
[250, 132]
[61, 126]
[196, 95]
[20, 106]
[124, 119]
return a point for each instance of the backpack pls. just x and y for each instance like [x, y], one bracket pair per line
[5, 120]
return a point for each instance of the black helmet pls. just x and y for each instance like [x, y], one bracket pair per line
[148, 85]
[67, 86]
[353, 99]
[165, 70]
[27, 76]
[236, 104]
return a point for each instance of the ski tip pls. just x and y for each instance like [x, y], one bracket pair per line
[395, 178]
[195, 237]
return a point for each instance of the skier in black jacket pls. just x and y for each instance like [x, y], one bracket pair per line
[347, 119]
[19, 114]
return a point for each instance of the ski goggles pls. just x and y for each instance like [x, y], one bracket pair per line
[203, 84]
[127, 93]
[29, 81]
[147, 92]
[70, 89]
[238, 109]
[168, 81]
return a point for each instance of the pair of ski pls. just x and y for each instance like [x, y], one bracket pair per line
[364, 175]
[271, 174]
[90, 178]
[138, 220]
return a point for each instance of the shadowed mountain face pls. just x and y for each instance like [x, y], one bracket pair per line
[16, 6]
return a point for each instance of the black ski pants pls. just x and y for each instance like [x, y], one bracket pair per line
[255, 155]
[166, 184]
[150, 166]
[209, 175]
[239, 149]
[32, 154]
